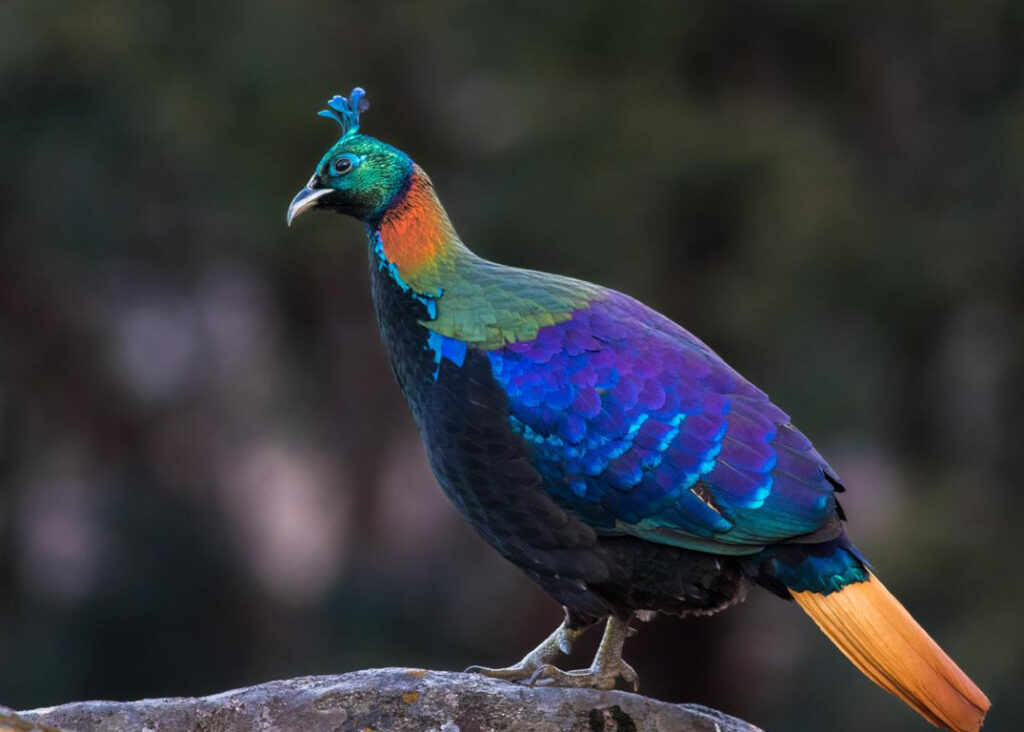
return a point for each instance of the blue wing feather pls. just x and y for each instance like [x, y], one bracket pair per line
[641, 429]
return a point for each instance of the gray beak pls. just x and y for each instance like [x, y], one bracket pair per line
[306, 199]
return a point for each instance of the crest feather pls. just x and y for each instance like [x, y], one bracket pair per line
[346, 111]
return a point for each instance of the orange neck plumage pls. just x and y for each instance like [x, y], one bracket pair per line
[416, 233]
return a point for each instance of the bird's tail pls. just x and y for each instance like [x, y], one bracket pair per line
[833, 584]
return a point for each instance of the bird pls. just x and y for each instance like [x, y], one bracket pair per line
[607, 452]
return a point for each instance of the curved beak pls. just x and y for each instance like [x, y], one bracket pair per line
[306, 199]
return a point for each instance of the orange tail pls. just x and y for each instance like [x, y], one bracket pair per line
[876, 632]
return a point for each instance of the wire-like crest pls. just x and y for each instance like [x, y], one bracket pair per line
[346, 111]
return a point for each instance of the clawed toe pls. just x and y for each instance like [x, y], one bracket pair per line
[512, 673]
[547, 671]
[558, 643]
[588, 678]
[627, 674]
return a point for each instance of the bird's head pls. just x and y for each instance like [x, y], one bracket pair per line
[360, 175]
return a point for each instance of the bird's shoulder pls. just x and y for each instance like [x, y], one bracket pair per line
[487, 305]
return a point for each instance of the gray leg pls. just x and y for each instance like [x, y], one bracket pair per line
[556, 644]
[606, 668]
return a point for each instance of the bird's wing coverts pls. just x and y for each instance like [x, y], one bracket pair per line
[641, 429]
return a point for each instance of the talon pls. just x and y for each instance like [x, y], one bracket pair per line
[541, 673]
[512, 673]
[494, 673]
[627, 674]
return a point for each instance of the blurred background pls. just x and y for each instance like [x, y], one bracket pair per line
[208, 477]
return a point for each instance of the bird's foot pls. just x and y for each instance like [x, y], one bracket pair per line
[595, 677]
[538, 667]
[558, 643]
[607, 667]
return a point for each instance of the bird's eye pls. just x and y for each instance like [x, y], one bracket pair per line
[342, 165]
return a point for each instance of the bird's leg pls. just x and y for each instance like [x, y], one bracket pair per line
[558, 643]
[606, 668]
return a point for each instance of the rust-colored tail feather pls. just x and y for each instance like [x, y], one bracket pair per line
[876, 632]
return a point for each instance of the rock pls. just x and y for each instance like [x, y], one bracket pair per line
[11, 722]
[391, 700]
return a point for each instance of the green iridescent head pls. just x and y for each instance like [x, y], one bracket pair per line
[359, 175]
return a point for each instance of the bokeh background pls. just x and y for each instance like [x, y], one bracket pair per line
[207, 475]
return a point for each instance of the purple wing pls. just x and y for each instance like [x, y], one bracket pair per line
[642, 429]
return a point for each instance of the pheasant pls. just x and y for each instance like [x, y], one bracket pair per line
[606, 451]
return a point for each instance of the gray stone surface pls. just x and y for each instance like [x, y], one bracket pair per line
[391, 700]
[11, 722]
